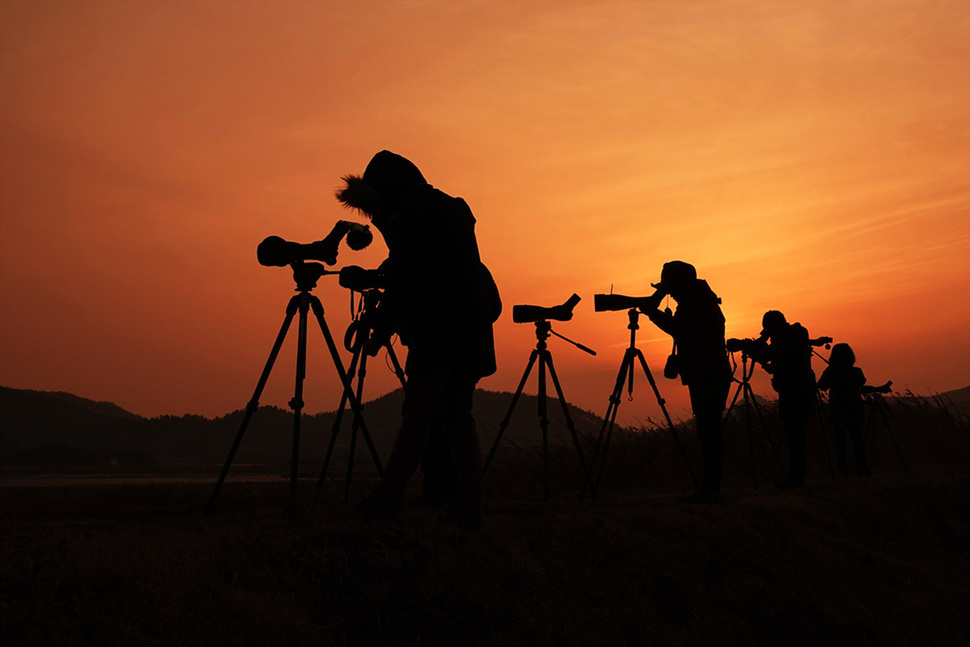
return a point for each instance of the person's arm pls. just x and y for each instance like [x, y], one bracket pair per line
[663, 319]
[882, 388]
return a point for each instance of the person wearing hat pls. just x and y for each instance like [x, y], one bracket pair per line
[441, 300]
[697, 327]
[788, 359]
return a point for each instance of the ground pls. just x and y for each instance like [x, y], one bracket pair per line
[882, 560]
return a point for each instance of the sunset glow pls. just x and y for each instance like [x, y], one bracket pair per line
[811, 158]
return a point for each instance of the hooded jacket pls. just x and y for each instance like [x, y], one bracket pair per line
[439, 297]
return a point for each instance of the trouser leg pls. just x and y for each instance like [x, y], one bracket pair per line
[459, 423]
[437, 467]
[422, 400]
[707, 402]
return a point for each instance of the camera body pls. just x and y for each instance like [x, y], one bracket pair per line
[359, 279]
[530, 314]
[750, 347]
[277, 252]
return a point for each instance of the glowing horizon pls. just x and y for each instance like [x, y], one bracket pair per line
[809, 158]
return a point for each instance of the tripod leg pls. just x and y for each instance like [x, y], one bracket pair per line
[254, 401]
[747, 419]
[355, 426]
[730, 409]
[544, 424]
[338, 419]
[885, 419]
[571, 426]
[663, 408]
[508, 414]
[748, 393]
[297, 405]
[870, 435]
[606, 430]
[822, 427]
[764, 425]
[398, 371]
[345, 380]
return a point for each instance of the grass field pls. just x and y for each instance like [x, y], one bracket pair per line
[883, 560]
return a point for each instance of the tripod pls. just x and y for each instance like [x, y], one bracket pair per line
[355, 341]
[541, 352]
[750, 402]
[306, 276]
[625, 376]
[880, 407]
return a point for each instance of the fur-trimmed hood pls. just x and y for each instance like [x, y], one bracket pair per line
[386, 179]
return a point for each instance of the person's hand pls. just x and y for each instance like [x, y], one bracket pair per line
[652, 302]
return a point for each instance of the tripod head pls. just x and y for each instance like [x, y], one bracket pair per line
[544, 329]
[306, 275]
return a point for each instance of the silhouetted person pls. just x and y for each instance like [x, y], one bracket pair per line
[441, 301]
[697, 326]
[437, 470]
[846, 385]
[788, 359]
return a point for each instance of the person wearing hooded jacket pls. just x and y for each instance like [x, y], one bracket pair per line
[701, 360]
[441, 300]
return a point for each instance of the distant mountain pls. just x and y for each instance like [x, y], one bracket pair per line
[61, 430]
[98, 407]
[55, 429]
[959, 400]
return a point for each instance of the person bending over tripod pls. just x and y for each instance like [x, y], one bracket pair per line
[441, 300]
[846, 385]
[701, 360]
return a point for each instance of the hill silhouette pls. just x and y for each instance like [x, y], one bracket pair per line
[61, 430]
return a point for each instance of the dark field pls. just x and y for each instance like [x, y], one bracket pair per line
[883, 560]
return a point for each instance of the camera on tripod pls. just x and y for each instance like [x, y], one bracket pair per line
[359, 279]
[530, 314]
[611, 302]
[749, 347]
[277, 252]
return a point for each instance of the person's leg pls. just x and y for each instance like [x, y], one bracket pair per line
[459, 422]
[422, 402]
[792, 410]
[707, 402]
[437, 468]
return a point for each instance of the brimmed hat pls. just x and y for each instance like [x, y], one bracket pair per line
[771, 321]
[675, 273]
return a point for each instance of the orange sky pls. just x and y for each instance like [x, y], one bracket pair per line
[810, 157]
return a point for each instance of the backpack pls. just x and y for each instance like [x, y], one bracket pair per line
[492, 298]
